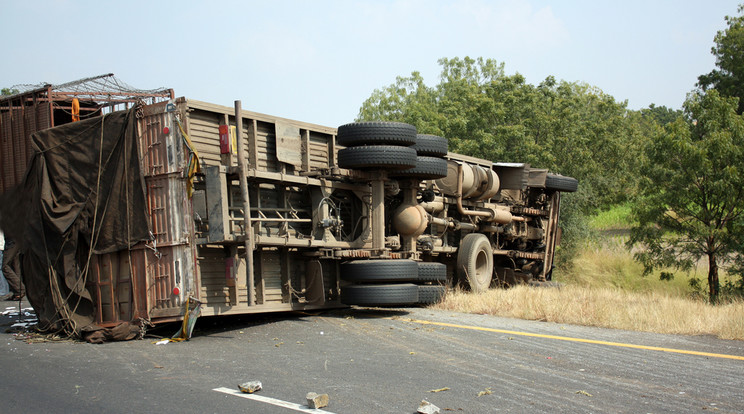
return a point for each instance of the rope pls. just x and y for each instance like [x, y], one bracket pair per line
[193, 164]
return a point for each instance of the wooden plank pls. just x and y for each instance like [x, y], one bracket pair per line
[260, 117]
[217, 204]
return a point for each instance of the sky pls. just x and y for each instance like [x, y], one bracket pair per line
[317, 61]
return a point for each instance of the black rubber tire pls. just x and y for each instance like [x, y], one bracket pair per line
[561, 183]
[427, 168]
[377, 156]
[431, 145]
[432, 272]
[379, 270]
[376, 133]
[475, 262]
[431, 294]
[380, 295]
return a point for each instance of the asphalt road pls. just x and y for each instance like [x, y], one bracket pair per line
[377, 361]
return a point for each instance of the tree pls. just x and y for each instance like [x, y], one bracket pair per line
[693, 183]
[568, 127]
[728, 79]
[8, 91]
[661, 114]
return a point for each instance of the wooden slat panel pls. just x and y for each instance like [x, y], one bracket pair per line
[271, 275]
[319, 150]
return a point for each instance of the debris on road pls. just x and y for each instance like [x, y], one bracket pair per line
[427, 408]
[250, 387]
[35, 337]
[315, 400]
[440, 389]
[487, 391]
[582, 392]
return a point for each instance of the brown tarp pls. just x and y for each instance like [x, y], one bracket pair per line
[83, 194]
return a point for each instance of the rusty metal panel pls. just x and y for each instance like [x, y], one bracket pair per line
[114, 280]
[19, 118]
[6, 153]
[161, 147]
[168, 206]
[168, 260]
[19, 144]
[170, 280]
[152, 280]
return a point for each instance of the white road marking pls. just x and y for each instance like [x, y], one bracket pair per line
[272, 401]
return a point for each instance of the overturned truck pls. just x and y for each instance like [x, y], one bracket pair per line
[244, 212]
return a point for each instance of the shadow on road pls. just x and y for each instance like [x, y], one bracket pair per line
[214, 326]
[366, 313]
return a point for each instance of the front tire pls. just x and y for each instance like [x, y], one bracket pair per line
[475, 262]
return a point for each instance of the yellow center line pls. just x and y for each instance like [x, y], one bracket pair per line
[586, 341]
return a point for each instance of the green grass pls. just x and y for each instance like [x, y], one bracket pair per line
[604, 261]
[616, 218]
[607, 263]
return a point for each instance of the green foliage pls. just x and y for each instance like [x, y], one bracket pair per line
[569, 128]
[617, 217]
[661, 115]
[690, 205]
[666, 276]
[8, 91]
[728, 79]
[575, 227]
[732, 290]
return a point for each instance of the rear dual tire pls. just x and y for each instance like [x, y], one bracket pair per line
[399, 294]
[377, 157]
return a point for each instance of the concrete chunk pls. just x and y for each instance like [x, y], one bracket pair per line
[250, 387]
[428, 408]
[315, 400]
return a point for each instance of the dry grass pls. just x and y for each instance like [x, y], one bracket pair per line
[605, 307]
[606, 288]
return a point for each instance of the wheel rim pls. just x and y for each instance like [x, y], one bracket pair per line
[482, 275]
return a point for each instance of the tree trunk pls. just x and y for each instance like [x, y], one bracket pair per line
[712, 278]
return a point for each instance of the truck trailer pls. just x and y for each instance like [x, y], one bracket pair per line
[243, 213]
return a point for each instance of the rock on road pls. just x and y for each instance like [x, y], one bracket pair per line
[378, 361]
